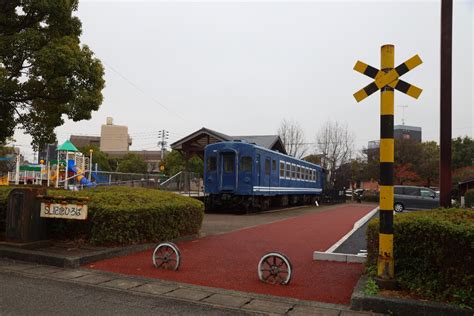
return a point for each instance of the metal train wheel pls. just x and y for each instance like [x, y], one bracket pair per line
[167, 256]
[275, 268]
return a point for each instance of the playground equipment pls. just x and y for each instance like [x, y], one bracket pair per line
[71, 164]
[68, 170]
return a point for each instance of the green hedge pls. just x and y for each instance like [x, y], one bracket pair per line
[122, 215]
[434, 253]
[469, 198]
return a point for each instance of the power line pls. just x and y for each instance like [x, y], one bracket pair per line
[143, 92]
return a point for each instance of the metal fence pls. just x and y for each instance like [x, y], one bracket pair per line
[187, 183]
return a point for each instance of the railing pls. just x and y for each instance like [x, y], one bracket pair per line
[186, 183]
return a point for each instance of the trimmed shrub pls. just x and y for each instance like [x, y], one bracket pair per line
[370, 197]
[434, 253]
[469, 198]
[122, 215]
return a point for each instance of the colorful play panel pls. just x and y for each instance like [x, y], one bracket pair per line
[230, 260]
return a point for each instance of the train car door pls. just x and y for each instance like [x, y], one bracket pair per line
[265, 179]
[257, 169]
[228, 175]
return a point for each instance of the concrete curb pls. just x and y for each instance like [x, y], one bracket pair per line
[41, 257]
[330, 255]
[400, 306]
[251, 303]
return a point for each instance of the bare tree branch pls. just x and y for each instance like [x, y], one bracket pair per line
[292, 137]
[336, 145]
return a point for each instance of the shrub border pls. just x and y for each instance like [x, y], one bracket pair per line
[401, 306]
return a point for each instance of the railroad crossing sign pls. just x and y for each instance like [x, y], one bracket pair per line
[386, 80]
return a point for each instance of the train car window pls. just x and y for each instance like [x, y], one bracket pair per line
[306, 174]
[288, 170]
[282, 169]
[274, 165]
[293, 171]
[211, 164]
[267, 167]
[246, 164]
[228, 163]
[314, 175]
[298, 172]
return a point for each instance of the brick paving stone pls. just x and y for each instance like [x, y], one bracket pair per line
[300, 310]
[43, 270]
[94, 278]
[189, 294]
[227, 300]
[268, 306]
[123, 284]
[69, 274]
[155, 288]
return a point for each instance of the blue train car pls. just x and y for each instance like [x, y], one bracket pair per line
[243, 175]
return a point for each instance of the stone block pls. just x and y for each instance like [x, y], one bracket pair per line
[189, 294]
[155, 288]
[301, 310]
[227, 300]
[94, 278]
[123, 284]
[329, 256]
[268, 306]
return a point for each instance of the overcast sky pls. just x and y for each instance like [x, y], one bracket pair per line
[241, 67]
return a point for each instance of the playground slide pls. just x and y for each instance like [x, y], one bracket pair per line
[82, 180]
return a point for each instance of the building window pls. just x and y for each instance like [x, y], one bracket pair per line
[211, 164]
[246, 164]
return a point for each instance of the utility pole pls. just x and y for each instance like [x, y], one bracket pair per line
[445, 102]
[163, 135]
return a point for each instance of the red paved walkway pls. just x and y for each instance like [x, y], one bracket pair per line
[230, 260]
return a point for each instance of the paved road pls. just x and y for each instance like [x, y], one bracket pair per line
[23, 295]
[214, 224]
[357, 241]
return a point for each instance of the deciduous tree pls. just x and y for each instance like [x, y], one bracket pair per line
[45, 73]
[336, 145]
[462, 152]
[292, 137]
[132, 163]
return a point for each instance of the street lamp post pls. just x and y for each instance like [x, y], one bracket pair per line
[90, 164]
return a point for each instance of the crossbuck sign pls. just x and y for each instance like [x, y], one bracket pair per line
[386, 80]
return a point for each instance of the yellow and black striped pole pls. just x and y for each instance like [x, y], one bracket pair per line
[386, 80]
[385, 266]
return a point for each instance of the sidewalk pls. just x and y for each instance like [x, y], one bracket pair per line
[229, 299]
